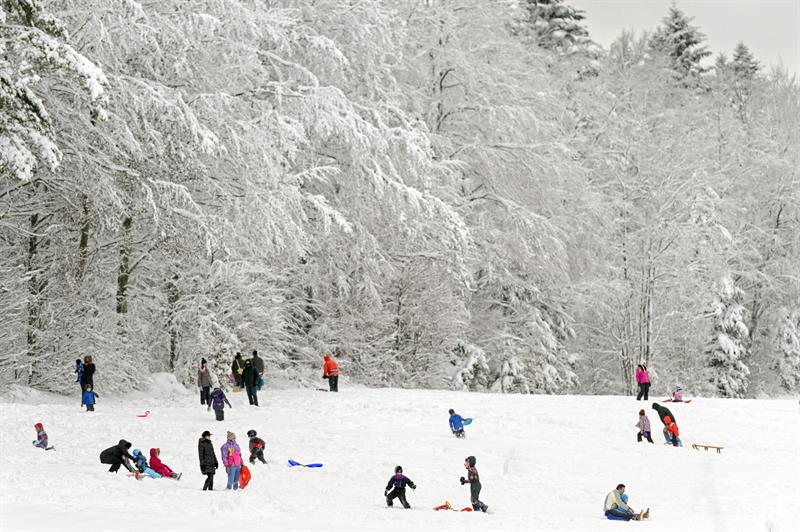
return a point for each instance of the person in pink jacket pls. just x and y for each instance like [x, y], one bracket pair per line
[160, 467]
[643, 380]
[232, 460]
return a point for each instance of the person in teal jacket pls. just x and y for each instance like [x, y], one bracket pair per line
[142, 465]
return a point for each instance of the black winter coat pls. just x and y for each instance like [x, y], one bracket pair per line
[250, 376]
[663, 411]
[87, 377]
[208, 460]
[258, 363]
[115, 454]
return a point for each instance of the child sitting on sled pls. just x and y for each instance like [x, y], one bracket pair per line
[160, 467]
[677, 395]
[142, 466]
[41, 438]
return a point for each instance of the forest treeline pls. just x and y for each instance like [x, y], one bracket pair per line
[461, 193]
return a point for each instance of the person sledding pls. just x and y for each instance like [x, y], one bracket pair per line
[41, 438]
[456, 424]
[257, 446]
[141, 465]
[396, 488]
[330, 371]
[474, 481]
[644, 427]
[671, 432]
[616, 509]
[217, 401]
[663, 413]
[116, 456]
[677, 394]
[160, 467]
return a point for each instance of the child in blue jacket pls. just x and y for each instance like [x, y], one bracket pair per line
[457, 424]
[142, 465]
[88, 398]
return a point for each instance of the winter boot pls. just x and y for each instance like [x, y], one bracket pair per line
[646, 514]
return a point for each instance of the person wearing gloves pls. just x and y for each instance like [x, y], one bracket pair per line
[330, 371]
[160, 467]
[644, 427]
[456, 424]
[232, 460]
[117, 456]
[208, 460]
[142, 466]
[217, 401]
[396, 488]
[204, 381]
[474, 481]
[257, 446]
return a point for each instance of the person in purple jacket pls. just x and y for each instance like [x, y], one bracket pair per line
[217, 401]
[396, 488]
[41, 438]
[643, 380]
[644, 427]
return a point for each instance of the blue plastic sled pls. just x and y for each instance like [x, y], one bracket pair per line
[612, 517]
[467, 421]
[292, 463]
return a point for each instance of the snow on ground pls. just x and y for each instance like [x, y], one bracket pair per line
[546, 462]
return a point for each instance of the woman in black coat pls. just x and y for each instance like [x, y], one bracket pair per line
[116, 456]
[87, 378]
[208, 460]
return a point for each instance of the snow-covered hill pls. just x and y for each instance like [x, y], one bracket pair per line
[546, 463]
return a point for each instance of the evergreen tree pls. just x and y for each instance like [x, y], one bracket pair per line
[789, 345]
[555, 25]
[682, 43]
[728, 349]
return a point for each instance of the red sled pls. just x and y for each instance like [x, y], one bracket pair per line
[671, 401]
[146, 413]
[244, 477]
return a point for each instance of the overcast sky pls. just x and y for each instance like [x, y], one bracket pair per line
[770, 28]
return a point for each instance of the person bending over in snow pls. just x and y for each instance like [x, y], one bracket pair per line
[41, 438]
[217, 401]
[474, 481]
[663, 414]
[617, 509]
[257, 446]
[89, 397]
[160, 467]
[208, 460]
[396, 488]
[457, 424]
[671, 432]
[117, 456]
[644, 427]
[140, 462]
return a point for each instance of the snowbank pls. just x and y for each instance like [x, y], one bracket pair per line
[546, 462]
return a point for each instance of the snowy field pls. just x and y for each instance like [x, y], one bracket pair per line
[546, 463]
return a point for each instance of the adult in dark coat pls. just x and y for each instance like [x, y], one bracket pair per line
[87, 377]
[116, 456]
[250, 380]
[663, 412]
[237, 368]
[258, 362]
[208, 460]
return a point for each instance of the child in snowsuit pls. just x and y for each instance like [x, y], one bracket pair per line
[117, 456]
[644, 427]
[257, 446]
[208, 460]
[41, 437]
[232, 459]
[616, 508]
[671, 432]
[677, 395]
[79, 373]
[663, 414]
[457, 424]
[140, 462]
[160, 467]
[397, 484]
[89, 397]
[474, 481]
[217, 401]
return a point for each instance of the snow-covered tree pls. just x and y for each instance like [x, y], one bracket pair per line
[554, 25]
[789, 346]
[728, 352]
[682, 43]
[474, 374]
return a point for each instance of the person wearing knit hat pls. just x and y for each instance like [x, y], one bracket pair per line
[644, 427]
[232, 460]
[41, 438]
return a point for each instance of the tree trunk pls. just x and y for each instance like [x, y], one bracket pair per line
[123, 275]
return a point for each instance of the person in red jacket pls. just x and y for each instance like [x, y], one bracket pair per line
[672, 430]
[160, 467]
[330, 371]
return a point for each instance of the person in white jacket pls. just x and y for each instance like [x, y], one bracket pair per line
[616, 508]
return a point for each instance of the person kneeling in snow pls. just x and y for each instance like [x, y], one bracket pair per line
[41, 438]
[397, 484]
[617, 509]
[142, 466]
[160, 467]
[456, 424]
